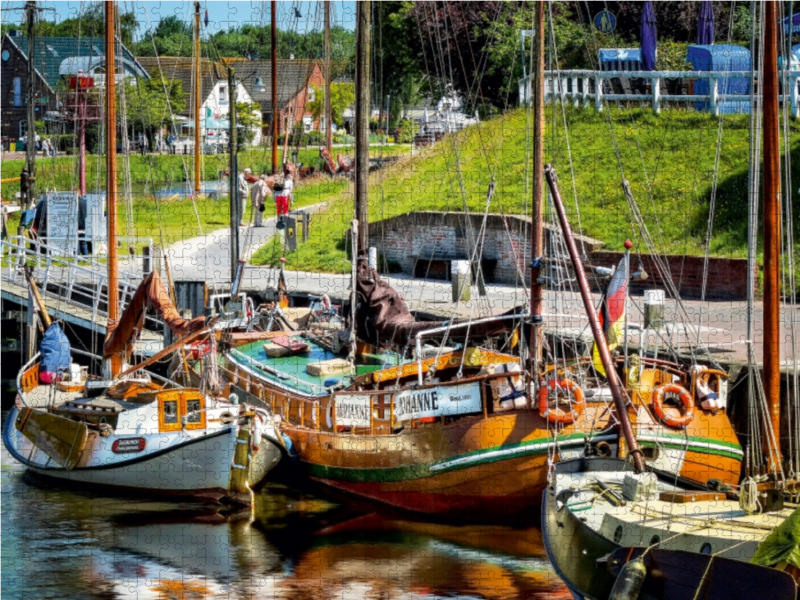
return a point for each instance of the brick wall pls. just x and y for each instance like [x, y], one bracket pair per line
[727, 277]
[407, 238]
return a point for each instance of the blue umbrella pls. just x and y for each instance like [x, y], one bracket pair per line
[795, 24]
[648, 38]
[705, 25]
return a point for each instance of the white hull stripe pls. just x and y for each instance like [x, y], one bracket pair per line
[690, 445]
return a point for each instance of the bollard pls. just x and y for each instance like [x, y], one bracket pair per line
[461, 280]
[291, 233]
[654, 308]
[373, 258]
[306, 225]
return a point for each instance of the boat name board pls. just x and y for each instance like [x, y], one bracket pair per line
[126, 445]
[62, 221]
[353, 410]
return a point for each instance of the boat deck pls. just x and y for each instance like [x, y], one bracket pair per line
[715, 525]
[291, 371]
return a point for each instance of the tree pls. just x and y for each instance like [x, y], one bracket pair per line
[342, 96]
[248, 119]
[149, 106]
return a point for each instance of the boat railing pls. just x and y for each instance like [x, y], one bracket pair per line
[450, 327]
[585, 87]
[71, 279]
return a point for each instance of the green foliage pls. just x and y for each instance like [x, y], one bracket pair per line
[91, 23]
[146, 104]
[406, 131]
[671, 56]
[668, 159]
[248, 119]
[342, 96]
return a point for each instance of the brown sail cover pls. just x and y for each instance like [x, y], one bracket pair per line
[383, 316]
[151, 293]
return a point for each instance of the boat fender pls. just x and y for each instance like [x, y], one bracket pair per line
[326, 303]
[287, 442]
[629, 581]
[248, 308]
[556, 414]
[685, 399]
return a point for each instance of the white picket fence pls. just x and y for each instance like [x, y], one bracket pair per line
[584, 87]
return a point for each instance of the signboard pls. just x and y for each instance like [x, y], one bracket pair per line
[605, 22]
[352, 410]
[62, 221]
[95, 229]
[440, 401]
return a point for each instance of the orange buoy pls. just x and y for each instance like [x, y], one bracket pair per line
[562, 386]
[685, 398]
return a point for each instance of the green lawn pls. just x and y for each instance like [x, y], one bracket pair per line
[668, 159]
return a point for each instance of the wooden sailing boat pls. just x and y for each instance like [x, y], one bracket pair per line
[129, 429]
[607, 525]
[453, 432]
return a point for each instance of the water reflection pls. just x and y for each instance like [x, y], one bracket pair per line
[293, 545]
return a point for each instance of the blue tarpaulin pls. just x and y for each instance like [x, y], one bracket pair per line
[722, 57]
[620, 59]
[55, 350]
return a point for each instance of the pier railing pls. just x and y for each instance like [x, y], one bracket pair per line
[587, 87]
[72, 280]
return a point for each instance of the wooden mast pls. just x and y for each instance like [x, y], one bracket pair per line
[114, 363]
[198, 92]
[328, 123]
[594, 322]
[363, 46]
[537, 212]
[772, 236]
[275, 117]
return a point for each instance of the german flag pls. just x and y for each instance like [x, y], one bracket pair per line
[612, 312]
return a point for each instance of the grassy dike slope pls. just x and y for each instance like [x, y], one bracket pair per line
[668, 159]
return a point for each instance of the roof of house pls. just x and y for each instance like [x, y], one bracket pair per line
[9, 40]
[50, 53]
[181, 68]
[293, 76]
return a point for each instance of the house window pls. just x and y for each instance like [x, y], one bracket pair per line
[308, 123]
[17, 91]
[223, 94]
[311, 93]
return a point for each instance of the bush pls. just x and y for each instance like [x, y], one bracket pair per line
[406, 131]
[63, 142]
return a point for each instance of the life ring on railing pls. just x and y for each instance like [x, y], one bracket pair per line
[249, 311]
[561, 385]
[685, 398]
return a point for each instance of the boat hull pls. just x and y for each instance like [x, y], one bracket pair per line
[195, 466]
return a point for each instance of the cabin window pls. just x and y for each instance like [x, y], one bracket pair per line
[170, 412]
[17, 91]
[193, 411]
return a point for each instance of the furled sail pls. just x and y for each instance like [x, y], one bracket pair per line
[151, 292]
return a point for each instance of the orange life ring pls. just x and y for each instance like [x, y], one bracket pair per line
[559, 415]
[685, 398]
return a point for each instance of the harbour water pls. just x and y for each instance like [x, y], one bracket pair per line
[60, 543]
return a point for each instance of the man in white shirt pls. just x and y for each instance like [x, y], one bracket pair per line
[244, 190]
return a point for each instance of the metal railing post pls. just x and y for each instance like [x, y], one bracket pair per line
[793, 96]
[585, 92]
[713, 96]
[655, 83]
[598, 93]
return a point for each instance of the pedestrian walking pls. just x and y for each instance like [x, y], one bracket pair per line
[244, 190]
[259, 196]
[171, 143]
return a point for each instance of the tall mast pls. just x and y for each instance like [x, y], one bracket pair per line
[772, 235]
[363, 25]
[328, 120]
[198, 92]
[30, 146]
[114, 362]
[275, 124]
[594, 323]
[537, 239]
[235, 202]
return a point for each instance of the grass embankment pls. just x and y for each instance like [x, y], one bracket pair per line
[668, 160]
[177, 219]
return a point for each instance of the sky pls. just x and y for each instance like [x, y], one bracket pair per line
[222, 14]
